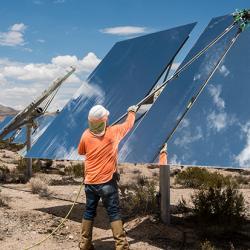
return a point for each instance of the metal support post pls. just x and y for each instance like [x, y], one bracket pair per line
[165, 193]
[28, 144]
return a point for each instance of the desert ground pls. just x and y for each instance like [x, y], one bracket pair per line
[27, 217]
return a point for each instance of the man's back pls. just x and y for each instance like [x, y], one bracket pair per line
[101, 152]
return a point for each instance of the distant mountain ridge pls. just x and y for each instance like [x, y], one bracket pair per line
[4, 111]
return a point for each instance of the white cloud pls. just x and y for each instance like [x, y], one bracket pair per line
[124, 30]
[215, 92]
[41, 40]
[224, 71]
[14, 36]
[184, 124]
[59, 1]
[174, 160]
[64, 60]
[217, 121]
[197, 77]
[21, 83]
[37, 2]
[27, 49]
[243, 159]
[209, 60]
[188, 136]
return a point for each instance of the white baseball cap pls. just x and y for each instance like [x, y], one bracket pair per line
[98, 113]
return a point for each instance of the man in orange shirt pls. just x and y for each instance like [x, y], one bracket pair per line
[99, 143]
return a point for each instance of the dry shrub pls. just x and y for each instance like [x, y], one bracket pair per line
[12, 147]
[195, 177]
[4, 173]
[242, 180]
[221, 206]
[75, 170]
[3, 200]
[139, 198]
[14, 176]
[39, 186]
[218, 206]
[206, 245]
[182, 207]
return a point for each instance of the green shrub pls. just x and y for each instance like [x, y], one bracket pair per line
[242, 180]
[139, 198]
[7, 176]
[181, 207]
[48, 163]
[4, 173]
[75, 170]
[195, 177]
[206, 245]
[12, 147]
[223, 208]
[78, 170]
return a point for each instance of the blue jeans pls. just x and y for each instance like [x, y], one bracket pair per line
[108, 192]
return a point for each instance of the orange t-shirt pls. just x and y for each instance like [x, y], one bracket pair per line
[101, 152]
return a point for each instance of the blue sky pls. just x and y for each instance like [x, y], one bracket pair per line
[39, 38]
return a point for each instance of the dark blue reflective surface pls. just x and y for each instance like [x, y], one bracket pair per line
[216, 132]
[124, 76]
[5, 121]
[42, 123]
[145, 142]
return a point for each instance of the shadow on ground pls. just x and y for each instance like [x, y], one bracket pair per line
[101, 220]
[179, 235]
[142, 230]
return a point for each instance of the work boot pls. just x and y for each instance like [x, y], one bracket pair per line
[86, 235]
[121, 242]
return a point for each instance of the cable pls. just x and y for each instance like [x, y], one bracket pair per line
[195, 97]
[176, 74]
[59, 226]
[51, 99]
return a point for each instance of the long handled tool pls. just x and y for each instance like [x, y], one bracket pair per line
[196, 96]
[179, 71]
[242, 18]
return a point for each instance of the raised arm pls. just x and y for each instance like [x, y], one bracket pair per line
[122, 129]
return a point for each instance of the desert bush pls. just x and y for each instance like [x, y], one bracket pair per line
[136, 171]
[39, 186]
[3, 200]
[140, 198]
[206, 245]
[7, 176]
[174, 172]
[4, 172]
[181, 207]
[48, 163]
[22, 165]
[195, 177]
[12, 147]
[75, 170]
[242, 180]
[223, 208]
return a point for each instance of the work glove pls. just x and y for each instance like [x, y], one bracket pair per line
[164, 148]
[133, 108]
